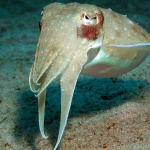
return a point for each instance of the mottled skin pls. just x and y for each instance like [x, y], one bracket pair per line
[81, 38]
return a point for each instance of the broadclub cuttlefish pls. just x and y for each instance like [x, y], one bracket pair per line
[80, 38]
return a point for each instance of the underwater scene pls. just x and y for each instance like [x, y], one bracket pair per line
[74, 75]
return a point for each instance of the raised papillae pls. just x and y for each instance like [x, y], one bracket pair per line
[80, 38]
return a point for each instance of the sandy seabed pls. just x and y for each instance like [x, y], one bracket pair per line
[106, 114]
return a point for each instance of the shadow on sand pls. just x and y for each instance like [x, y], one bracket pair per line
[91, 95]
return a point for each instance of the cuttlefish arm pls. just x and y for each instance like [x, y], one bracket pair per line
[67, 33]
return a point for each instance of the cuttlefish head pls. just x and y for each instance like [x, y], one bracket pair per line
[90, 24]
[71, 28]
[90, 28]
[68, 32]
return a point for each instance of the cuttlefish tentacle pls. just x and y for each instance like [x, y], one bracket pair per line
[80, 59]
[68, 83]
[41, 111]
[47, 77]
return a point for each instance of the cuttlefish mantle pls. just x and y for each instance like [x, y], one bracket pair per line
[80, 38]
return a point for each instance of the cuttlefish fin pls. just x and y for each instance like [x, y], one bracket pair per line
[41, 111]
[68, 82]
[137, 47]
[134, 53]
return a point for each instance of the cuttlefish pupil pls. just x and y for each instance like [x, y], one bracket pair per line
[87, 20]
[90, 28]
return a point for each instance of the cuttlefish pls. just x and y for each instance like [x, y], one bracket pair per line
[80, 38]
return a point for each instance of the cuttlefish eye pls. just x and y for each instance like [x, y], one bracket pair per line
[40, 22]
[91, 25]
[88, 20]
[40, 25]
